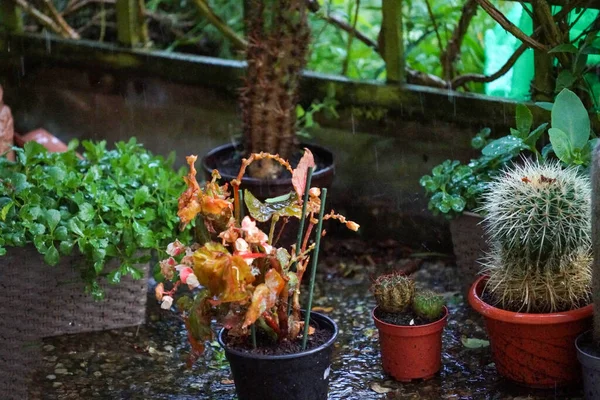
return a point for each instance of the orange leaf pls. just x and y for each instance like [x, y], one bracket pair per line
[264, 297]
[188, 203]
[224, 275]
[299, 175]
[236, 276]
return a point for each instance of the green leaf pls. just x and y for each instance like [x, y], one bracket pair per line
[565, 79]
[37, 229]
[51, 257]
[561, 145]
[135, 273]
[524, 119]
[570, 116]
[61, 233]
[114, 276]
[76, 226]
[534, 136]
[56, 173]
[472, 343]
[564, 48]
[545, 105]
[86, 212]
[65, 247]
[504, 145]
[587, 151]
[263, 212]
[52, 219]
[141, 196]
[5, 210]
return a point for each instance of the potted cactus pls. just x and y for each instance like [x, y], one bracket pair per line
[410, 324]
[278, 40]
[588, 343]
[535, 295]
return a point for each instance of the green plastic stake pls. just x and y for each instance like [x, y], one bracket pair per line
[302, 220]
[313, 272]
[240, 214]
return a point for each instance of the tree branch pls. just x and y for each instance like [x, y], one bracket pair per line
[509, 26]
[70, 32]
[450, 55]
[237, 41]
[41, 18]
[466, 78]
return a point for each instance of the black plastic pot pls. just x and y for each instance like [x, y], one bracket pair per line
[263, 188]
[300, 376]
[590, 364]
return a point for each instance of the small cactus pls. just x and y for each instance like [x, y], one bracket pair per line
[539, 224]
[393, 292]
[428, 305]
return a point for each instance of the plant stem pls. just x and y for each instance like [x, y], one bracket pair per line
[313, 272]
[303, 216]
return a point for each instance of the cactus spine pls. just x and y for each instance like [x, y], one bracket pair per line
[278, 38]
[596, 240]
[393, 292]
[538, 221]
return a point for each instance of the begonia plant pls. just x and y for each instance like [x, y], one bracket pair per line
[235, 271]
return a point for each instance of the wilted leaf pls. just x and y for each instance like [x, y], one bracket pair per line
[224, 275]
[264, 296]
[377, 388]
[263, 212]
[472, 343]
[301, 171]
[322, 309]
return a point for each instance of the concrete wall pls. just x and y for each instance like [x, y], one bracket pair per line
[377, 175]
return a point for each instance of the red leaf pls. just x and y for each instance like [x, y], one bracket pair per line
[299, 175]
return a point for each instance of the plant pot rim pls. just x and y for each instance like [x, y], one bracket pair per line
[579, 349]
[406, 328]
[473, 214]
[280, 181]
[306, 353]
[513, 317]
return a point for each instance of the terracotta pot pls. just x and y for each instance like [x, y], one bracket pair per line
[411, 352]
[469, 242]
[263, 189]
[299, 376]
[536, 350]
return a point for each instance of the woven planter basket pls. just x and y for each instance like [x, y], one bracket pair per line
[38, 300]
[470, 245]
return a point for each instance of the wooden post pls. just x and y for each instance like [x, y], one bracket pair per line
[132, 30]
[391, 42]
[11, 18]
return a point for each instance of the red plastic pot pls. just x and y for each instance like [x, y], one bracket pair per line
[536, 350]
[411, 352]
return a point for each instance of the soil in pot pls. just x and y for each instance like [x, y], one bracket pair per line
[265, 345]
[589, 357]
[402, 319]
[297, 376]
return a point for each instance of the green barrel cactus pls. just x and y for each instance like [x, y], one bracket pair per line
[428, 305]
[539, 224]
[393, 292]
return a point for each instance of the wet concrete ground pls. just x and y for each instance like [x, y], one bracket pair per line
[149, 362]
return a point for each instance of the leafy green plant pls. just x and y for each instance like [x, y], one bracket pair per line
[112, 204]
[454, 187]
